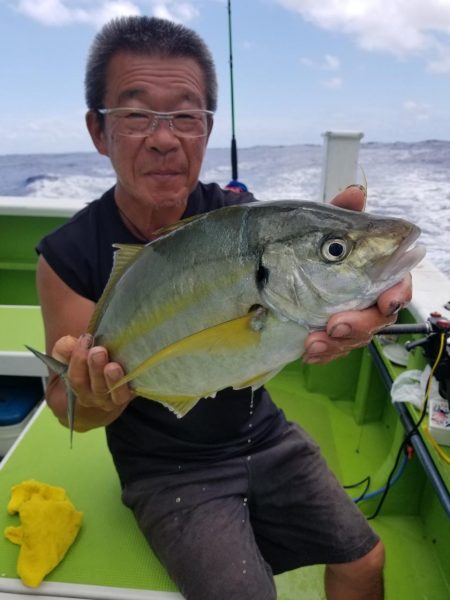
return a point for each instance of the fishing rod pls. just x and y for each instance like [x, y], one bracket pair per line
[234, 159]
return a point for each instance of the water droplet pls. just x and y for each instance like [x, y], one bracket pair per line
[250, 425]
[244, 562]
[244, 572]
[178, 500]
[249, 457]
[179, 467]
[249, 441]
[203, 489]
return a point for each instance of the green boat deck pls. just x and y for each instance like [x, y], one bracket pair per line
[412, 523]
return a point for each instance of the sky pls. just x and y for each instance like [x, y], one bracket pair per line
[301, 67]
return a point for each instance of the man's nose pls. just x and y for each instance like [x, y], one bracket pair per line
[162, 136]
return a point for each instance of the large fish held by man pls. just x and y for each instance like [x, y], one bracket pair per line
[227, 298]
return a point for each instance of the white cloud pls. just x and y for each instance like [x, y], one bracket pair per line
[98, 12]
[417, 111]
[400, 27]
[182, 12]
[47, 12]
[331, 63]
[328, 63]
[332, 83]
[441, 62]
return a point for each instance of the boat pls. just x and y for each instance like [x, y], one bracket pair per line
[345, 405]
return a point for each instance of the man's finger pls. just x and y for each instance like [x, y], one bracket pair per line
[63, 348]
[352, 198]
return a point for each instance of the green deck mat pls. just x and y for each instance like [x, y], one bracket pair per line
[20, 325]
[111, 551]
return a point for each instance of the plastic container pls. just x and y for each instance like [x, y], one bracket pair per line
[439, 421]
[18, 398]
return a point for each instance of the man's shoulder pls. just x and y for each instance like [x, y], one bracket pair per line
[209, 196]
[85, 219]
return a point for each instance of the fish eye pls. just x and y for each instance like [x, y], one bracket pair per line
[334, 250]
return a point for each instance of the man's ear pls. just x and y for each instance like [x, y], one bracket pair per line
[96, 132]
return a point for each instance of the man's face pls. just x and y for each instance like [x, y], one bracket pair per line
[159, 170]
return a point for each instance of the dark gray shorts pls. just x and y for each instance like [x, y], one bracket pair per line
[222, 529]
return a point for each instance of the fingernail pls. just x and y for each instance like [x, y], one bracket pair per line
[317, 348]
[86, 340]
[362, 188]
[114, 374]
[311, 360]
[341, 330]
[98, 356]
[359, 186]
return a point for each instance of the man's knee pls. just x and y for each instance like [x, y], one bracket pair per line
[238, 586]
[363, 573]
[372, 562]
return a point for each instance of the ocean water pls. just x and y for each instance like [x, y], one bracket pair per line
[410, 180]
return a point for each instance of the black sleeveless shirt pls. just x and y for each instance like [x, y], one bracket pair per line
[147, 437]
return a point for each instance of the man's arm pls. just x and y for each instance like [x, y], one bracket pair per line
[90, 372]
[353, 329]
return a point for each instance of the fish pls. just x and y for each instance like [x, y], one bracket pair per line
[227, 298]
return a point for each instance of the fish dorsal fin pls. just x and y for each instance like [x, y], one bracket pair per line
[123, 257]
[179, 224]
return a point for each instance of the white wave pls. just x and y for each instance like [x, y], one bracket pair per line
[72, 186]
[404, 180]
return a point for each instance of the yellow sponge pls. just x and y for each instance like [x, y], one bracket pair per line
[49, 526]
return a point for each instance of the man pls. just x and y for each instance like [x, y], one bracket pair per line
[222, 515]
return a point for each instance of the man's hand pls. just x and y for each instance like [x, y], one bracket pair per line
[91, 376]
[353, 329]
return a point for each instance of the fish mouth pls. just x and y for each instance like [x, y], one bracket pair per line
[401, 261]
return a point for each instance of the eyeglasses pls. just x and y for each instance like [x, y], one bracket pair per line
[142, 122]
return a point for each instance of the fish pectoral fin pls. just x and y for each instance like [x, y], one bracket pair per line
[180, 405]
[235, 334]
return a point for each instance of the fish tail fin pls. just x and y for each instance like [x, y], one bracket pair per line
[58, 367]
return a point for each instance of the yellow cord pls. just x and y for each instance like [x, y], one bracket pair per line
[434, 367]
[445, 457]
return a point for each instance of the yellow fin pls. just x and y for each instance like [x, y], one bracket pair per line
[123, 257]
[256, 381]
[180, 405]
[179, 224]
[237, 333]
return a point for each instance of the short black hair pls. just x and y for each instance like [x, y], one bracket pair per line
[145, 36]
